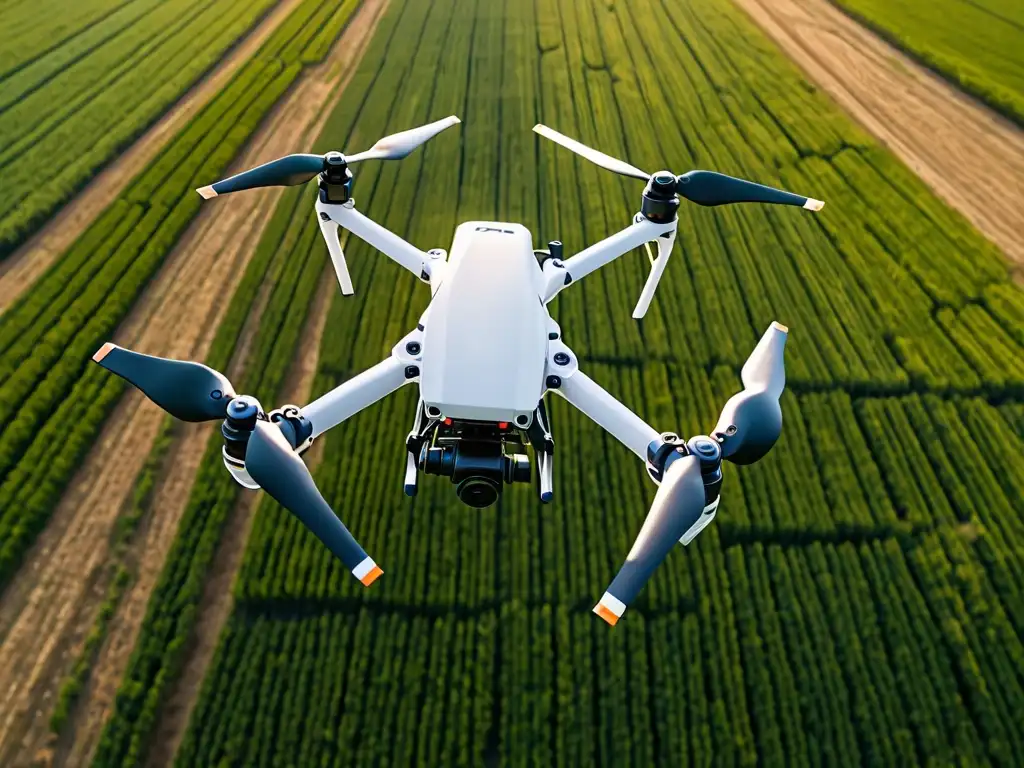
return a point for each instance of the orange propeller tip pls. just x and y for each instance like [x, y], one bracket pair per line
[372, 576]
[103, 351]
[606, 614]
[207, 192]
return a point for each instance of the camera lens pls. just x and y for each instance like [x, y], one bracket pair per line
[478, 492]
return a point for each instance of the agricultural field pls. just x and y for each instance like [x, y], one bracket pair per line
[75, 92]
[860, 596]
[47, 337]
[974, 43]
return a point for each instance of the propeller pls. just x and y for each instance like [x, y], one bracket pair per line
[194, 392]
[702, 187]
[748, 427]
[293, 170]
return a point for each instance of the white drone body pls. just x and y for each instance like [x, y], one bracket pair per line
[484, 354]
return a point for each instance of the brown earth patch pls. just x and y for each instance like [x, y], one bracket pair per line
[971, 157]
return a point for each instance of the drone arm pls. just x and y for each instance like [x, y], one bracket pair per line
[384, 240]
[365, 389]
[600, 407]
[641, 231]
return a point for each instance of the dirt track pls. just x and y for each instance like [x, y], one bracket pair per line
[52, 602]
[23, 267]
[218, 600]
[970, 156]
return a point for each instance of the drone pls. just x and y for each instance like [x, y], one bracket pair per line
[484, 354]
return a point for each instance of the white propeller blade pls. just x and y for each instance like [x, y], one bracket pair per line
[398, 145]
[597, 158]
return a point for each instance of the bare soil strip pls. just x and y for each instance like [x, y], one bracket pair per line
[52, 602]
[218, 598]
[971, 157]
[22, 268]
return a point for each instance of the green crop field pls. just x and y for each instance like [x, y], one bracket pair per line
[75, 92]
[48, 336]
[858, 599]
[977, 44]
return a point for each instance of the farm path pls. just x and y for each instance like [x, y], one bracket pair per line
[51, 604]
[971, 157]
[21, 269]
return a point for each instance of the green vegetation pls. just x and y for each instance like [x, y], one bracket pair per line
[858, 599]
[71, 98]
[52, 399]
[976, 44]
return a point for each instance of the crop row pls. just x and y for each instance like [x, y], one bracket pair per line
[65, 114]
[171, 611]
[290, 256]
[52, 399]
[858, 598]
[819, 655]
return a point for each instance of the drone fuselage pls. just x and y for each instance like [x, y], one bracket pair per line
[485, 337]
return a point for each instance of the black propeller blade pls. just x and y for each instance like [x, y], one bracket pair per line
[272, 463]
[751, 420]
[678, 504]
[188, 391]
[702, 187]
[748, 427]
[193, 392]
[293, 170]
[289, 171]
[709, 188]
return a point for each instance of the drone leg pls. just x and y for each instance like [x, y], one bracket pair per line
[410, 474]
[539, 435]
[412, 445]
[545, 467]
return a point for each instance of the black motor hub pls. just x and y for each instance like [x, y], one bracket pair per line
[240, 420]
[335, 180]
[242, 413]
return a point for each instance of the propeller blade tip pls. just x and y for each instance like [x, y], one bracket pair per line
[103, 351]
[367, 571]
[780, 327]
[610, 608]
[814, 205]
[207, 192]
[455, 119]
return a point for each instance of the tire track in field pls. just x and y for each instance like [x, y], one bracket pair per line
[52, 601]
[20, 270]
[972, 158]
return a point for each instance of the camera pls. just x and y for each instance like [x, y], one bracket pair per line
[473, 455]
